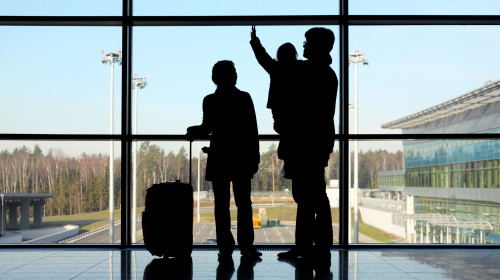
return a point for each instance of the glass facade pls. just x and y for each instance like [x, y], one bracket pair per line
[453, 164]
[395, 178]
[452, 197]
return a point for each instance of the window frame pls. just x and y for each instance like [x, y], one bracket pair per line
[343, 20]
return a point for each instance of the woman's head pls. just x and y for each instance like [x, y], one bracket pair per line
[224, 73]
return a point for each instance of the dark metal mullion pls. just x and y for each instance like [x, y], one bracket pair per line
[317, 20]
[126, 121]
[60, 137]
[399, 137]
[407, 246]
[262, 137]
[344, 129]
[375, 20]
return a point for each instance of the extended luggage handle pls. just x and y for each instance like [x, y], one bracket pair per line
[190, 160]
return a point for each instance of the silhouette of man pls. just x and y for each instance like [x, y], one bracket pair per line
[233, 156]
[306, 141]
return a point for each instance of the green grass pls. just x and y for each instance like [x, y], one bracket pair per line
[284, 213]
[375, 233]
[289, 214]
[90, 221]
[86, 221]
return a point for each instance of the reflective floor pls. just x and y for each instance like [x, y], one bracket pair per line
[139, 264]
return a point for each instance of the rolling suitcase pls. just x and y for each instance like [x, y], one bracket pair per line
[167, 220]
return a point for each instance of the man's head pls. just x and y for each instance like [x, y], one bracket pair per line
[319, 42]
[224, 73]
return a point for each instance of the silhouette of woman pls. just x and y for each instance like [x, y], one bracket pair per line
[233, 156]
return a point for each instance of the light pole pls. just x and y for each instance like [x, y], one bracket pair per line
[137, 83]
[351, 107]
[111, 58]
[3, 215]
[198, 183]
[356, 58]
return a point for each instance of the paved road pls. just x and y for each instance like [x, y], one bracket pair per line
[204, 233]
[103, 237]
[283, 234]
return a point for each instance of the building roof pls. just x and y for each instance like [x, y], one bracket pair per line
[487, 94]
[22, 196]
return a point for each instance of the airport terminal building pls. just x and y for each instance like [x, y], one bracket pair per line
[453, 185]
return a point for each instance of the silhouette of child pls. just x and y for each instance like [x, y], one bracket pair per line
[286, 53]
[282, 75]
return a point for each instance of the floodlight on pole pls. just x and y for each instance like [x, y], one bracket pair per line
[356, 58]
[111, 58]
[137, 83]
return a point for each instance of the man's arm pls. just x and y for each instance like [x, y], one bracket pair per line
[260, 53]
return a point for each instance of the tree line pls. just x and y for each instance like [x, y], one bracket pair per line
[80, 184]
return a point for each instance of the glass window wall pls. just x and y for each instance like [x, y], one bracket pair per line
[63, 83]
[274, 209]
[58, 192]
[435, 204]
[423, 7]
[232, 8]
[62, 8]
[179, 74]
[424, 79]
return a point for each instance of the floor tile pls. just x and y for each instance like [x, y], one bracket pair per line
[139, 264]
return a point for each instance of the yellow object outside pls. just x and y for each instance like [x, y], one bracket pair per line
[256, 221]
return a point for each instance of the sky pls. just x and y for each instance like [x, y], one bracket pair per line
[53, 80]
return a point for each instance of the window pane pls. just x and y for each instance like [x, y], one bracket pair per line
[424, 7]
[53, 80]
[439, 191]
[234, 8]
[425, 79]
[62, 8]
[178, 61]
[58, 192]
[273, 206]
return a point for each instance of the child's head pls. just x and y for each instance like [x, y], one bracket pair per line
[286, 52]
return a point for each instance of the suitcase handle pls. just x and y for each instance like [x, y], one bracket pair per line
[190, 161]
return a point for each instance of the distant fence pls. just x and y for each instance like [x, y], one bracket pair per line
[68, 230]
[268, 194]
[280, 194]
[395, 207]
[84, 235]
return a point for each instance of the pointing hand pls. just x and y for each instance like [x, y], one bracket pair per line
[253, 34]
